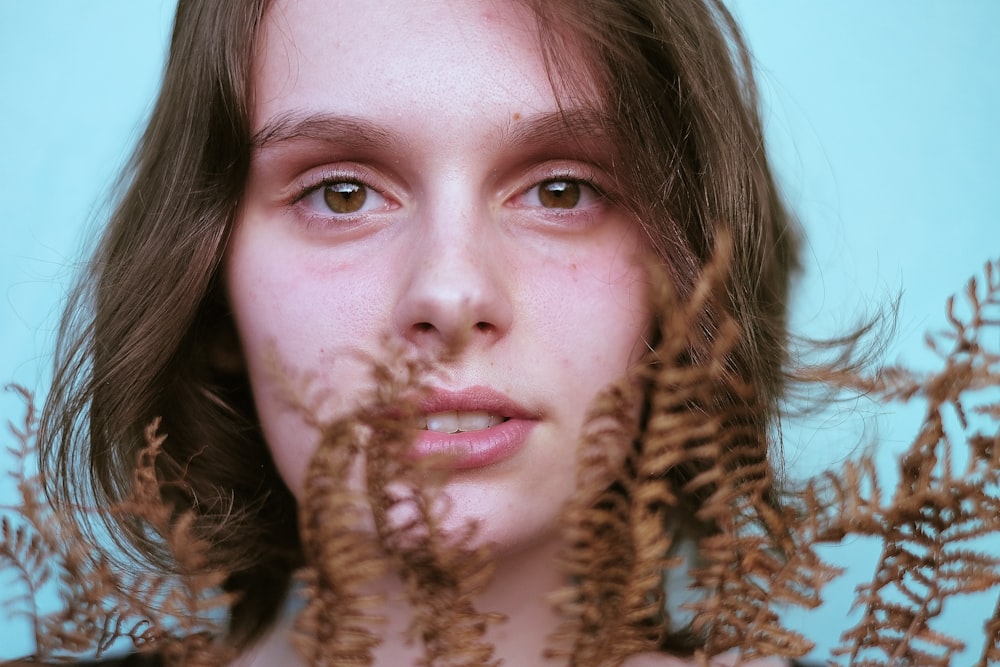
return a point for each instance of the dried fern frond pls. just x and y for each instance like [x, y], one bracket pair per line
[947, 496]
[353, 536]
[101, 604]
[762, 556]
[600, 553]
[701, 449]
[336, 626]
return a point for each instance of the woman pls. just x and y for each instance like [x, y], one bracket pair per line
[505, 195]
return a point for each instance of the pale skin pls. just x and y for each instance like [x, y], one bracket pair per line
[411, 184]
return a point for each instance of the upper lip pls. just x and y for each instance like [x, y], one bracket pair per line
[474, 399]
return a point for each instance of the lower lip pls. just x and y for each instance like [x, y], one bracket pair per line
[474, 449]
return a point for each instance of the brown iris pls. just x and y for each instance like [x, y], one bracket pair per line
[559, 194]
[345, 197]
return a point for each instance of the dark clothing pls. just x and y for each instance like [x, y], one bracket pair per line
[152, 660]
[131, 660]
[128, 660]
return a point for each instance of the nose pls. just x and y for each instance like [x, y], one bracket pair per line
[455, 290]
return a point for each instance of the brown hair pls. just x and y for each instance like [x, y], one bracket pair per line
[143, 332]
[153, 319]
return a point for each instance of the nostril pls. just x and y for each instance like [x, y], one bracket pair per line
[423, 327]
[483, 326]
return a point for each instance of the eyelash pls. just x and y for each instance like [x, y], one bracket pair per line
[320, 212]
[595, 194]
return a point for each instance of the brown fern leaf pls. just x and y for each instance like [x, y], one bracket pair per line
[102, 602]
[939, 507]
[180, 612]
[616, 537]
[612, 595]
[443, 574]
[338, 624]
[336, 627]
[762, 556]
[352, 536]
[991, 646]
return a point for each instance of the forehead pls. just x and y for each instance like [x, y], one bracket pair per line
[442, 61]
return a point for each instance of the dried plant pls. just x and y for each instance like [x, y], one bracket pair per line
[101, 602]
[352, 536]
[946, 498]
[674, 452]
[700, 450]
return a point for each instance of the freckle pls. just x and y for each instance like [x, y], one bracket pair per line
[516, 116]
[573, 266]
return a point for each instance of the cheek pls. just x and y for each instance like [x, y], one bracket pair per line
[596, 308]
[296, 303]
[304, 328]
[303, 306]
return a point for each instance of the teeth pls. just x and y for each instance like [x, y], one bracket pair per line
[474, 421]
[443, 422]
[456, 422]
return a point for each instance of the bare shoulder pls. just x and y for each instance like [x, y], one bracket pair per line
[728, 660]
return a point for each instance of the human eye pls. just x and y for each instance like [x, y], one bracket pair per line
[340, 197]
[343, 197]
[560, 193]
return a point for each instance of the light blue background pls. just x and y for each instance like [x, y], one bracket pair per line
[883, 117]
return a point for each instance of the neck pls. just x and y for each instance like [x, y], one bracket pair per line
[518, 590]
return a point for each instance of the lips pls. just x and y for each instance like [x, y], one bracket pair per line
[472, 428]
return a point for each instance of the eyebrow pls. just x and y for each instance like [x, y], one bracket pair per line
[580, 125]
[348, 131]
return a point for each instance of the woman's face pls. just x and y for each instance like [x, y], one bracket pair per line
[413, 182]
